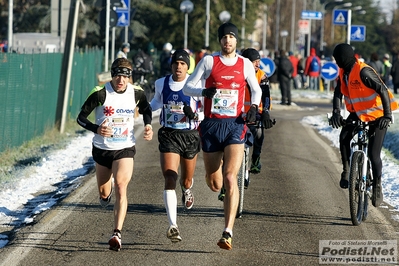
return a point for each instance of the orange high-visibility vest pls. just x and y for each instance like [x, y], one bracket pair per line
[247, 103]
[360, 99]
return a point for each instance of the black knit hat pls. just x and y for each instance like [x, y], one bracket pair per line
[227, 28]
[251, 53]
[344, 56]
[181, 55]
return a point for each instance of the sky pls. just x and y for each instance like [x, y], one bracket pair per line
[62, 171]
[387, 6]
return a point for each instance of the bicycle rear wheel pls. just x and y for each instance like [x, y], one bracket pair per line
[241, 179]
[356, 188]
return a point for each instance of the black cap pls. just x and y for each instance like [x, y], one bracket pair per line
[227, 28]
[181, 55]
[251, 53]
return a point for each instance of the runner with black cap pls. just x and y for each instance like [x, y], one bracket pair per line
[179, 141]
[223, 131]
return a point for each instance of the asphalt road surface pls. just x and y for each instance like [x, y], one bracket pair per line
[292, 204]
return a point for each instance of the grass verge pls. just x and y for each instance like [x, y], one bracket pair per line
[31, 152]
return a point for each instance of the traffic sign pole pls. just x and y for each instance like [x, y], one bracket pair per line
[349, 26]
[107, 8]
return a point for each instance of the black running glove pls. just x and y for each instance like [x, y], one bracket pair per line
[337, 120]
[383, 122]
[251, 114]
[188, 112]
[266, 121]
[209, 92]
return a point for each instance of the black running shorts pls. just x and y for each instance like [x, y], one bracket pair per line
[106, 157]
[186, 143]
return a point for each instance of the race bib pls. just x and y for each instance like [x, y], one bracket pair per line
[174, 116]
[225, 102]
[120, 129]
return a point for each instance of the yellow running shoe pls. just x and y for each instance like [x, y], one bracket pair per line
[225, 241]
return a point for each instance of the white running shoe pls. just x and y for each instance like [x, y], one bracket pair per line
[115, 242]
[187, 196]
[173, 234]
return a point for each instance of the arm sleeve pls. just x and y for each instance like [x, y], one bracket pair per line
[144, 106]
[156, 102]
[337, 98]
[95, 99]
[201, 72]
[249, 72]
[372, 80]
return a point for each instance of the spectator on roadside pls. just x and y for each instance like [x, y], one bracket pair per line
[377, 65]
[301, 71]
[164, 60]
[200, 54]
[294, 61]
[395, 74]
[122, 53]
[273, 79]
[387, 70]
[285, 70]
[192, 61]
[312, 70]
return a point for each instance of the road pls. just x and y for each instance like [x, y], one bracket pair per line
[292, 204]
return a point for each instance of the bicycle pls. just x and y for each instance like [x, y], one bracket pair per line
[243, 173]
[360, 174]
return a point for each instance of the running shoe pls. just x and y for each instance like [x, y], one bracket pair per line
[225, 241]
[255, 166]
[115, 242]
[246, 182]
[222, 194]
[187, 196]
[173, 234]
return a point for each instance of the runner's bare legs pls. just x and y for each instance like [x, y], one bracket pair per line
[232, 158]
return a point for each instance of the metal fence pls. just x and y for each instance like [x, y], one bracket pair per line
[29, 92]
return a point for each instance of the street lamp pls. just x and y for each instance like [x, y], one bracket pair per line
[224, 16]
[186, 7]
[284, 35]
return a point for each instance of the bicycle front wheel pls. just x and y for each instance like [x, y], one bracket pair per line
[241, 179]
[356, 188]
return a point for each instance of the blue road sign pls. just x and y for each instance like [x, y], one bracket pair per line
[123, 13]
[268, 66]
[358, 33]
[340, 17]
[329, 71]
[308, 14]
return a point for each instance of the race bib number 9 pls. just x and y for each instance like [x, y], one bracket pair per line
[225, 102]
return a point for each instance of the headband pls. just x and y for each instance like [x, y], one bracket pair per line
[121, 71]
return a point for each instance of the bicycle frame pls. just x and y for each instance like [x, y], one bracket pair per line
[361, 145]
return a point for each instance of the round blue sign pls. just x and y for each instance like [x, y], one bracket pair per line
[329, 71]
[268, 66]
